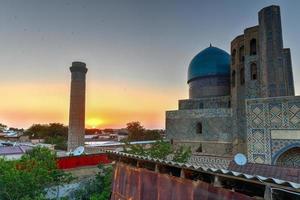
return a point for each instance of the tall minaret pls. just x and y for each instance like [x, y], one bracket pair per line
[77, 106]
[275, 61]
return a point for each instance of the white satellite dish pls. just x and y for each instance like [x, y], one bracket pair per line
[78, 151]
[240, 159]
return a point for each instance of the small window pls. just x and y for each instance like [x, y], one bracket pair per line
[242, 76]
[241, 54]
[253, 47]
[199, 128]
[200, 105]
[199, 149]
[253, 69]
[233, 54]
[233, 78]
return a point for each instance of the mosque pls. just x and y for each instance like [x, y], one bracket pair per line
[243, 102]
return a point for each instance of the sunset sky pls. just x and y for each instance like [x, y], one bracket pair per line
[137, 53]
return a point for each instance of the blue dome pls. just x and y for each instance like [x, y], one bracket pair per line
[212, 61]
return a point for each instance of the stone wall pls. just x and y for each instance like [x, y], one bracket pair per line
[181, 125]
[209, 86]
[203, 103]
[288, 71]
[243, 84]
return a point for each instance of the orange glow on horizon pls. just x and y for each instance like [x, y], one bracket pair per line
[107, 104]
[93, 122]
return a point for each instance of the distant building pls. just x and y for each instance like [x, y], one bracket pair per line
[243, 102]
[13, 152]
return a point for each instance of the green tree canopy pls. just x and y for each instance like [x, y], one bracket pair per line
[28, 177]
[53, 133]
[136, 132]
[161, 149]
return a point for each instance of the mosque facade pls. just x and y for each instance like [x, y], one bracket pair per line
[243, 102]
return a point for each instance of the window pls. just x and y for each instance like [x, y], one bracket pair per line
[233, 78]
[253, 69]
[241, 54]
[233, 54]
[252, 47]
[242, 76]
[199, 128]
[200, 105]
[199, 149]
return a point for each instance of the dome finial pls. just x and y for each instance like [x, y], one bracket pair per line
[210, 45]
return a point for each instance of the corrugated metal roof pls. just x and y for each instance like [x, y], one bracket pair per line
[285, 173]
[262, 179]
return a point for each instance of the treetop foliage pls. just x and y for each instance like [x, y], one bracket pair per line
[28, 177]
[161, 150]
[53, 133]
[136, 132]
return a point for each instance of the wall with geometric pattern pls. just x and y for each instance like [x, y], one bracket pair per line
[273, 127]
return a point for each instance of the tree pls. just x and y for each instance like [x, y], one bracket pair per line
[182, 154]
[2, 127]
[108, 130]
[152, 135]
[28, 177]
[161, 150]
[98, 188]
[92, 131]
[135, 131]
[53, 133]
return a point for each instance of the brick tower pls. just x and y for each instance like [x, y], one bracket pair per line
[77, 106]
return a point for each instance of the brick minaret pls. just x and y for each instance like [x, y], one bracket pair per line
[77, 106]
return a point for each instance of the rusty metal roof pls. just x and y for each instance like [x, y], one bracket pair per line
[262, 179]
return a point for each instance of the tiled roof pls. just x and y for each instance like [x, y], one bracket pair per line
[284, 173]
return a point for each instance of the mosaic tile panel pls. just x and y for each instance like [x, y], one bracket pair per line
[277, 145]
[294, 114]
[264, 115]
[275, 115]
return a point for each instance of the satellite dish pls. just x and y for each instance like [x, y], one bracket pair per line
[78, 151]
[240, 159]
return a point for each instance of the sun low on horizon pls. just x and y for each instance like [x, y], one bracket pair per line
[94, 122]
[107, 105]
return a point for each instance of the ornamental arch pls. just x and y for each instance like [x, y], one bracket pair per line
[289, 157]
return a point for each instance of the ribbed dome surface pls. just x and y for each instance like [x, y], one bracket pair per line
[211, 61]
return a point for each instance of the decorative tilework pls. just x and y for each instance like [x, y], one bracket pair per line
[289, 158]
[210, 161]
[294, 114]
[259, 158]
[258, 141]
[280, 144]
[264, 115]
[256, 115]
[275, 115]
